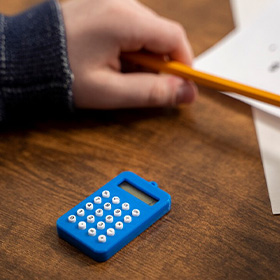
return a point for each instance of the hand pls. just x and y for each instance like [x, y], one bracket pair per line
[98, 31]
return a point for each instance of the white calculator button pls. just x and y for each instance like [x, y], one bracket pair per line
[72, 219]
[119, 225]
[110, 232]
[135, 212]
[92, 232]
[116, 200]
[109, 219]
[102, 238]
[100, 225]
[97, 200]
[82, 225]
[107, 206]
[117, 212]
[99, 212]
[125, 206]
[89, 206]
[90, 219]
[127, 219]
[81, 212]
[106, 194]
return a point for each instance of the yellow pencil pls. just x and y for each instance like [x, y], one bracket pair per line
[173, 67]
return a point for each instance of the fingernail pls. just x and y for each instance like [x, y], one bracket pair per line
[185, 93]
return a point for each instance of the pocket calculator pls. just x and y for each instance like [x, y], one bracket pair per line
[114, 215]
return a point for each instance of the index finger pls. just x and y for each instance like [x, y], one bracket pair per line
[158, 35]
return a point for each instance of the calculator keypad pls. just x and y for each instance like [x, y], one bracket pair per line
[104, 222]
[115, 218]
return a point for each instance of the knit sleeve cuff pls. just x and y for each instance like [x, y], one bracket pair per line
[35, 77]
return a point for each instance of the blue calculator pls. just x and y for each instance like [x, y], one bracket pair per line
[115, 214]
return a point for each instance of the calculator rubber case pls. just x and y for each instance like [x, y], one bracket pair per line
[114, 215]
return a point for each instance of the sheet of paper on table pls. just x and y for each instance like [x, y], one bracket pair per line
[251, 55]
[244, 12]
[267, 126]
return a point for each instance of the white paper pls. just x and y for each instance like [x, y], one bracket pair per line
[250, 56]
[268, 131]
[244, 12]
[267, 126]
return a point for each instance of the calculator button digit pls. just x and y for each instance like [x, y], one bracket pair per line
[89, 206]
[125, 206]
[82, 225]
[106, 194]
[90, 219]
[135, 213]
[107, 206]
[81, 212]
[116, 200]
[100, 225]
[117, 212]
[72, 219]
[97, 200]
[109, 219]
[127, 219]
[102, 238]
[92, 232]
[99, 212]
[110, 232]
[119, 225]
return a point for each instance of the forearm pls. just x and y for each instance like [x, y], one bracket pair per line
[35, 76]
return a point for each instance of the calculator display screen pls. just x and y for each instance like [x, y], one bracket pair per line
[137, 193]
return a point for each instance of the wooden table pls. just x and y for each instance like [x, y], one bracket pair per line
[205, 155]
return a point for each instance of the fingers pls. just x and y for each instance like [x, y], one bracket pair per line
[171, 39]
[159, 35]
[114, 90]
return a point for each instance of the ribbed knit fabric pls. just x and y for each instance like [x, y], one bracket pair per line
[35, 77]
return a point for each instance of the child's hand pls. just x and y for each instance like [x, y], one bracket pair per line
[98, 31]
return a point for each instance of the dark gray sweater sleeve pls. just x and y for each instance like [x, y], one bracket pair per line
[35, 77]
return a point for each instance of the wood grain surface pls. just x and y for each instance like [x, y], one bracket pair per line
[205, 155]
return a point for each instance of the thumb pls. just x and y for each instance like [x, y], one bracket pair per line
[110, 90]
